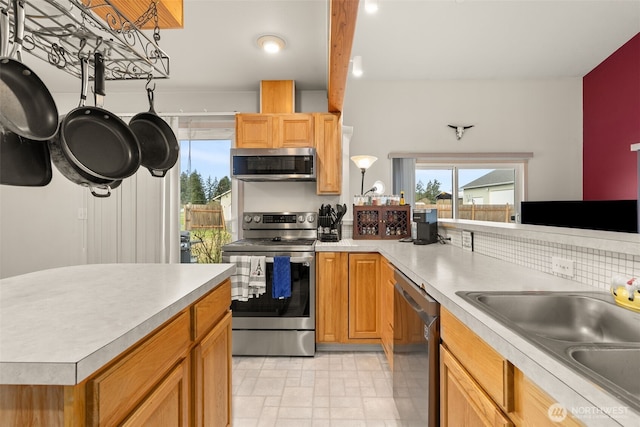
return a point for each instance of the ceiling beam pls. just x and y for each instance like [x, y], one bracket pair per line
[343, 15]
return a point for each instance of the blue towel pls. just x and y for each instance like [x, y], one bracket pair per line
[281, 277]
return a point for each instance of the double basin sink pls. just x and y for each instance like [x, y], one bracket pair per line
[584, 330]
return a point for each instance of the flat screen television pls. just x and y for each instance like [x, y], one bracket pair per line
[608, 215]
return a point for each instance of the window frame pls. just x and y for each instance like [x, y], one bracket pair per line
[456, 161]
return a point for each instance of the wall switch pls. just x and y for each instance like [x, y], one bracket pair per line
[565, 267]
[467, 240]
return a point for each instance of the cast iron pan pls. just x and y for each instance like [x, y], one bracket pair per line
[98, 187]
[27, 107]
[159, 148]
[24, 162]
[96, 141]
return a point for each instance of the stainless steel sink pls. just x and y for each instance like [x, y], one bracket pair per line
[586, 331]
[564, 316]
[618, 365]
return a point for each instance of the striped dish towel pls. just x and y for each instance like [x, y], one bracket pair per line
[240, 280]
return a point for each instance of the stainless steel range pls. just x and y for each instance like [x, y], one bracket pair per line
[266, 320]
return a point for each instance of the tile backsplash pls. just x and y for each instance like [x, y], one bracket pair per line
[593, 267]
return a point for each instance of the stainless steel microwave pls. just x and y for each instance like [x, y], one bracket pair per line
[273, 164]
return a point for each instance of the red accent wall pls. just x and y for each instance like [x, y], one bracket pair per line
[611, 123]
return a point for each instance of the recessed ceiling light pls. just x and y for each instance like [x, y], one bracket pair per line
[371, 6]
[271, 44]
[356, 66]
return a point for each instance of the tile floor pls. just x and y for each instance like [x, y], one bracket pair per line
[331, 389]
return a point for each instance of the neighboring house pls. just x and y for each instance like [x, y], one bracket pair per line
[494, 188]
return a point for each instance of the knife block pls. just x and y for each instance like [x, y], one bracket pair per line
[327, 230]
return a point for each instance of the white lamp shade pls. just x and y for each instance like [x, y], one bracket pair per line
[378, 187]
[364, 162]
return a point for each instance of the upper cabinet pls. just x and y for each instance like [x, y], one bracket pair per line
[274, 130]
[277, 126]
[329, 153]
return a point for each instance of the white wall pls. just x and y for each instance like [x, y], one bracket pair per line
[539, 116]
[61, 224]
[40, 227]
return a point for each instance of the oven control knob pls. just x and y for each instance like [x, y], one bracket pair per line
[257, 218]
[300, 218]
[311, 217]
[247, 218]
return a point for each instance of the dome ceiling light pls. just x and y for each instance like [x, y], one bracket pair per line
[271, 44]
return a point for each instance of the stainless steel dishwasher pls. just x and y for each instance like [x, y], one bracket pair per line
[416, 379]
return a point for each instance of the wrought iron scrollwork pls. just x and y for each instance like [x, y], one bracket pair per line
[59, 31]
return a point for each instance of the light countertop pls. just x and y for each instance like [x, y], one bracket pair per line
[445, 269]
[59, 326]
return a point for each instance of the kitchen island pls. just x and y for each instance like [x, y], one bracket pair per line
[446, 269]
[101, 344]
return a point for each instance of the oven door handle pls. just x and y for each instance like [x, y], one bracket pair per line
[294, 260]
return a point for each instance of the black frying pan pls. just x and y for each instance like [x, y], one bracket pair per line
[26, 105]
[24, 162]
[98, 187]
[159, 146]
[96, 141]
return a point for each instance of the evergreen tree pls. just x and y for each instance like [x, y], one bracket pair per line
[223, 186]
[195, 189]
[210, 188]
[430, 192]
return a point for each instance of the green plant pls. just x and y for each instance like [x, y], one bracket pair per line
[207, 246]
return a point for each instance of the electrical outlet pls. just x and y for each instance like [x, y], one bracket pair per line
[563, 266]
[467, 240]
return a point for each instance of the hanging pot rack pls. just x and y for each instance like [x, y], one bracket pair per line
[60, 32]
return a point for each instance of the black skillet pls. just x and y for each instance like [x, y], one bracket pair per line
[96, 141]
[26, 105]
[99, 186]
[23, 162]
[159, 148]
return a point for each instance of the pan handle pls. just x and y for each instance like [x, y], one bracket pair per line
[19, 17]
[150, 97]
[4, 32]
[158, 173]
[98, 194]
[84, 81]
[98, 82]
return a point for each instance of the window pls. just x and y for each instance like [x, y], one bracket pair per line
[462, 187]
[205, 187]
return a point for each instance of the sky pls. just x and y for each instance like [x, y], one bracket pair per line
[444, 176]
[209, 158]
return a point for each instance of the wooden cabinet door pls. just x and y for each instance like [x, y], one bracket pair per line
[254, 131]
[167, 405]
[387, 297]
[462, 401]
[294, 130]
[331, 296]
[212, 382]
[329, 153]
[364, 296]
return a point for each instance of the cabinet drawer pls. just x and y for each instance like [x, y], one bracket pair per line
[114, 392]
[211, 308]
[462, 401]
[493, 372]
